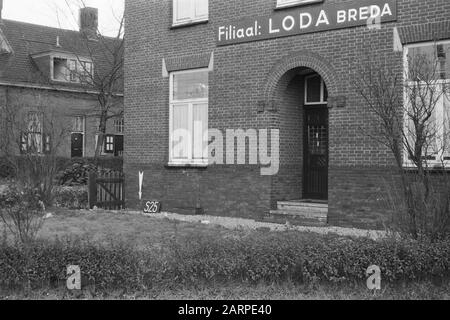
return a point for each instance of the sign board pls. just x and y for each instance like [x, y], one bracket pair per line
[152, 207]
[303, 20]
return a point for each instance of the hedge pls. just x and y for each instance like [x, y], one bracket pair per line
[71, 197]
[109, 163]
[256, 258]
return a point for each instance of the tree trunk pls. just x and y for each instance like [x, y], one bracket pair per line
[101, 135]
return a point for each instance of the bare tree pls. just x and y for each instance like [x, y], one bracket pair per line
[105, 76]
[31, 137]
[403, 109]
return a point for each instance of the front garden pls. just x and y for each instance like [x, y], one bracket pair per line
[45, 228]
[126, 256]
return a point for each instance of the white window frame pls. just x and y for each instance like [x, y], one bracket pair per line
[322, 90]
[190, 102]
[292, 3]
[440, 158]
[193, 19]
[119, 126]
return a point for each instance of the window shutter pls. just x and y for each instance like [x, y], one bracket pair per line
[23, 143]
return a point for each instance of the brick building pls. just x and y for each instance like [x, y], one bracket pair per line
[266, 64]
[48, 70]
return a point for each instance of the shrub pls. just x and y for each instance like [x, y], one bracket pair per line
[71, 197]
[255, 258]
[22, 210]
[77, 170]
[6, 169]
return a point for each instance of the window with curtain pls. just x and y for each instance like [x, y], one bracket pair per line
[189, 11]
[189, 117]
[427, 98]
[31, 139]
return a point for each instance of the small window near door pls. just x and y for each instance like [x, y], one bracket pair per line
[315, 90]
[109, 144]
[119, 126]
[78, 124]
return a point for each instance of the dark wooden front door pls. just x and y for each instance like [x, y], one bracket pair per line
[315, 182]
[77, 145]
[118, 146]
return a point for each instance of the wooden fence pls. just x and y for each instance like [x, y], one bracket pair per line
[107, 190]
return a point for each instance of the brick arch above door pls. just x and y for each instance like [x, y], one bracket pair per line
[308, 59]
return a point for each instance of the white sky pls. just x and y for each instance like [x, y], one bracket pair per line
[64, 13]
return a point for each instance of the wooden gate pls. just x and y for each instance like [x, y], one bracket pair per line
[107, 190]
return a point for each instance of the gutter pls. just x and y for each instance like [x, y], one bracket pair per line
[50, 88]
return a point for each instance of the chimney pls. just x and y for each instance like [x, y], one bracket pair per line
[88, 22]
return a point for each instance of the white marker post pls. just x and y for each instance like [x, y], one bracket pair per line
[141, 181]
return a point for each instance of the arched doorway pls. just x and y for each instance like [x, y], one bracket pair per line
[316, 138]
[304, 87]
[302, 117]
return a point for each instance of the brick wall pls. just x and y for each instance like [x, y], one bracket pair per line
[243, 76]
[63, 106]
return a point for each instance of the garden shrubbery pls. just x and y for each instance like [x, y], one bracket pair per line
[6, 169]
[256, 258]
[22, 212]
[77, 170]
[73, 198]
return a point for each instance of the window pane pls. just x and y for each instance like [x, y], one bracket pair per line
[183, 10]
[313, 91]
[201, 9]
[429, 62]
[421, 100]
[180, 134]
[192, 85]
[78, 125]
[59, 69]
[200, 138]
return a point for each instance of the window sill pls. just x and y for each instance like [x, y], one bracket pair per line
[189, 23]
[296, 4]
[437, 168]
[187, 165]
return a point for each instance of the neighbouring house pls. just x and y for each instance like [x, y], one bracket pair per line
[219, 66]
[51, 70]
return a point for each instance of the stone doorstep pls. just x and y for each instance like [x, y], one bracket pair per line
[300, 212]
[302, 204]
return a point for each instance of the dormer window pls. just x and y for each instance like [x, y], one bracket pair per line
[74, 70]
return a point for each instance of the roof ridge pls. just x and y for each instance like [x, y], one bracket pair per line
[40, 25]
[49, 27]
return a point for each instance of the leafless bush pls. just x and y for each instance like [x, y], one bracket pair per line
[22, 212]
[402, 115]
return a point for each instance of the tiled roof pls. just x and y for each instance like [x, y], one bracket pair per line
[28, 39]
